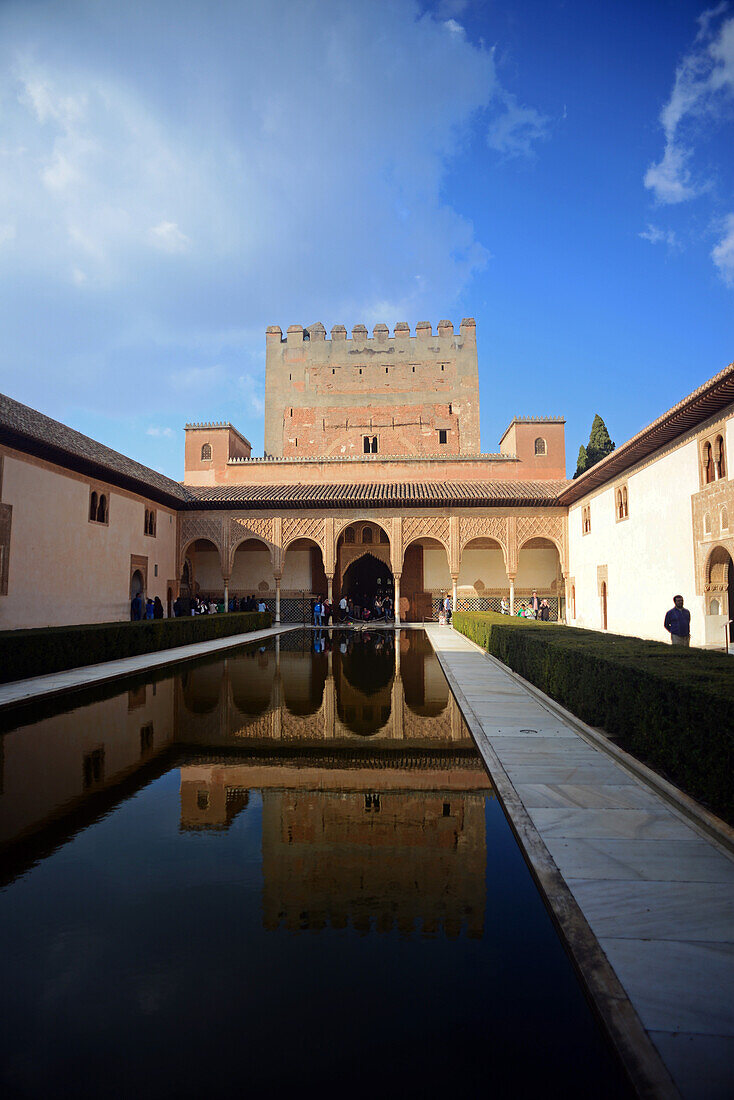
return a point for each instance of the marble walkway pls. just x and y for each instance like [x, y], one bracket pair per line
[657, 893]
[55, 683]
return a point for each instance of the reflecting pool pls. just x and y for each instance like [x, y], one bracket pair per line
[285, 867]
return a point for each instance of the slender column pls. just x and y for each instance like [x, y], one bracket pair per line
[277, 599]
[396, 578]
[226, 593]
[454, 584]
[397, 655]
[512, 595]
[329, 586]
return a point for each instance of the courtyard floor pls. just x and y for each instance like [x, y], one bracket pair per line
[623, 871]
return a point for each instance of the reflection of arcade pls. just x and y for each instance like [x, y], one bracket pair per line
[386, 686]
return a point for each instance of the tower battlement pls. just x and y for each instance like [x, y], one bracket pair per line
[297, 335]
[401, 394]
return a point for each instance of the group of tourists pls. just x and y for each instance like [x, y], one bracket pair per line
[535, 608]
[360, 609]
[145, 609]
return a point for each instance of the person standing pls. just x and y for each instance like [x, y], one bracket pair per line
[136, 608]
[342, 609]
[678, 623]
[504, 607]
[544, 613]
[448, 609]
[535, 605]
[157, 608]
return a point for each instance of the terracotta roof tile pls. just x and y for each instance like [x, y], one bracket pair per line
[30, 431]
[379, 494]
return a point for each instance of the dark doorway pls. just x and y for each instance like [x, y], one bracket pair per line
[366, 578]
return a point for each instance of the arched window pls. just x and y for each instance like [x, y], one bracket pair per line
[93, 506]
[714, 607]
[366, 534]
[573, 601]
[206, 452]
[102, 509]
[707, 524]
[349, 534]
[708, 465]
[603, 605]
[620, 506]
[724, 519]
[382, 535]
[719, 457]
[586, 519]
[540, 446]
[625, 505]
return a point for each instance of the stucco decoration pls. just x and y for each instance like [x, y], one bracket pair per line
[483, 527]
[544, 527]
[426, 527]
[242, 529]
[200, 527]
[306, 527]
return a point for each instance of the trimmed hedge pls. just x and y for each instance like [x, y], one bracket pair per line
[25, 653]
[671, 707]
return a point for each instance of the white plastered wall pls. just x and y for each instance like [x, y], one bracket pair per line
[649, 556]
[482, 569]
[64, 569]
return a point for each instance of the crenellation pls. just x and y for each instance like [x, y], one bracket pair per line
[422, 388]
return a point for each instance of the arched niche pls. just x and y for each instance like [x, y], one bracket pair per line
[203, 561]
[303, 568]
[252, 569]
[482, 567]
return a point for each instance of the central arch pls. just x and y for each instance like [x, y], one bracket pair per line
[718, 594]
[365, 578]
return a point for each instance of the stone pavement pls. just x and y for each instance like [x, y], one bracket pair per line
[55, 683]
[656, 892]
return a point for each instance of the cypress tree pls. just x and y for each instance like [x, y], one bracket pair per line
[583, 461]
[599, 444]
[598, 447]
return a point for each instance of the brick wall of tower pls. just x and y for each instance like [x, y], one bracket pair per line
[406, 395]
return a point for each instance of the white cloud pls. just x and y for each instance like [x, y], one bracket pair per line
[655, 235]
[516, 130]
[158, 433]
[297, 183]
[454, 27]
[670, 180]
[723, 253]
[169, 238]
[703, 87]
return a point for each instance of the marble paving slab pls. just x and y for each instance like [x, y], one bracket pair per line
[656, 891]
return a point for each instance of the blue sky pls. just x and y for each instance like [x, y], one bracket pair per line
[177, 175]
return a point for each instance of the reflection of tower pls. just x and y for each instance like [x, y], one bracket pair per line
[393, 857]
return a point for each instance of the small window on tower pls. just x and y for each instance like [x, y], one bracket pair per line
[540, 446]
[442, 436]
[206, 452]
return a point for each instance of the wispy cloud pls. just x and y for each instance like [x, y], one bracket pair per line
[655, 235]
[723, 253]
[168, 237]
[517, 129]
[703, 87]
[160, 433]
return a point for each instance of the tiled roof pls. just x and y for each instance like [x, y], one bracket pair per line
[30, 431]
[379, 495]
[706, 401]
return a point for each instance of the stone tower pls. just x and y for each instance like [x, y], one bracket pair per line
[389, 395]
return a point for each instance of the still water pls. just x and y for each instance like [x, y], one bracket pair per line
[283, 868]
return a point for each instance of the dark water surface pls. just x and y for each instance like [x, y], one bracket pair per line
[282, 868]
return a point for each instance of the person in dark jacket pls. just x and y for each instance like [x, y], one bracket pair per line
[136, 608]
[157, 608]
[678, 623]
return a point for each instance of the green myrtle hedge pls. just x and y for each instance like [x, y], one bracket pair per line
[671, 707]
[26, 653]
